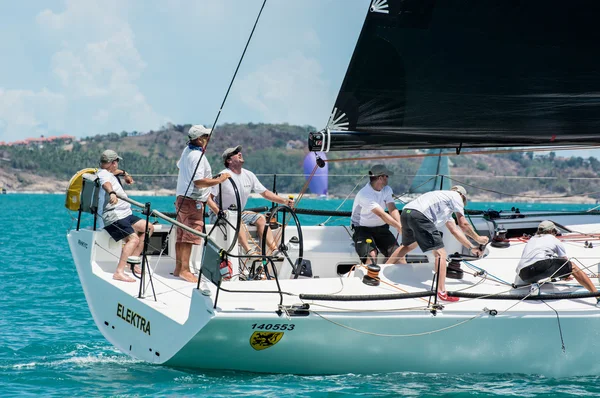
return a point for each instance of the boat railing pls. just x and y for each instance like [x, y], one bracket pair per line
[211, 269]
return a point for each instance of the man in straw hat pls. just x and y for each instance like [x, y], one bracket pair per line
[193, 183]
[544, 256]
[369, 219]
[421, 219]
[116, 214]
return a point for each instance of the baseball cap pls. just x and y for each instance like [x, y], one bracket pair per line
[227, 153]
[109, 155]
[460, 189]
[547, 226]
[380, 170]
[197, 131]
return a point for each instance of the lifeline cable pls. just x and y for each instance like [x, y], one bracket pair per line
[562, 340]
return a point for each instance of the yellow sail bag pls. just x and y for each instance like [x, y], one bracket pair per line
[73, 199]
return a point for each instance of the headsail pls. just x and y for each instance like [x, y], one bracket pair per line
[430, 176]
[470, 73]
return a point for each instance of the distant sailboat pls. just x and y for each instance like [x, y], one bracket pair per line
[319, 181]
[432, 174]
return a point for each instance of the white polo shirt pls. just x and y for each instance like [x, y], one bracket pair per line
[541, 247]
[366, 200]
[186, 164]
[438, 206]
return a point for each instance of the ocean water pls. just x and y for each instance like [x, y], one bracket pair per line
[50, 346]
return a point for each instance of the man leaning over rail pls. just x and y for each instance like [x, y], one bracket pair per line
[545, 256]
[246, 182]
[369, 219]
[193, 183]
[116, 214]
[421, 219]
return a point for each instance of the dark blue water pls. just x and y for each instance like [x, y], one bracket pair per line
[50, 346]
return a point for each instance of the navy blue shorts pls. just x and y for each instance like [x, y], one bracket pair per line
[418, 228]
[122, 228]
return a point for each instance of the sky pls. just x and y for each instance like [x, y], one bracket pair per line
[87, 67]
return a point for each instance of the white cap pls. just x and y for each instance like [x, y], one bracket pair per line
[547, 226]
[460, 189]
[197, 131]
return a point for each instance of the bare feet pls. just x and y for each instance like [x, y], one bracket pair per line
[122, 277]
[188, 276]
[137, 270]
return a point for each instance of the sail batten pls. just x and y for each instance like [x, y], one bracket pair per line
[471, 74]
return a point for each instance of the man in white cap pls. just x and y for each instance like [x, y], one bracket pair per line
[544, 256]
[193, 183]
[117, 218]
[246, 182]
[369, 219]
[421, 219]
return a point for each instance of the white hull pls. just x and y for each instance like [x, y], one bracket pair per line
[336, 337]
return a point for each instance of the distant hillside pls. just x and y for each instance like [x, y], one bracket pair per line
[280, 149]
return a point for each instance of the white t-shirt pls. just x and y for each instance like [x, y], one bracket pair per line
[365, 201]
[541, 247]
[438, 206]
[246, 182]
[186, 164]
[111, 213]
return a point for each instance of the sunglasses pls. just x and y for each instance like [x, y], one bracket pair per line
[233, 154]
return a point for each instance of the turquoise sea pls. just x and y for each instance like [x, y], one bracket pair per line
[50, 346]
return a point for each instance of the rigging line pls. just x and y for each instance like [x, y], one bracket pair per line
[472, 225]
[398, 335]
[345, 199]
[391, 285]
[287, 218]
[518, 195]
[486, 152]
[524, 298]
[583, 267]
[512, 177]
[562, 340]
[522, 177]
[487, 273]
[305, 187]
[479, 282]
[162, 251]
[416, 188]
[223, 103]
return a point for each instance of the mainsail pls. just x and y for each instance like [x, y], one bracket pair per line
[470, 73]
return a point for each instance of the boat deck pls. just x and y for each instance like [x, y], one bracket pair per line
[174, 294]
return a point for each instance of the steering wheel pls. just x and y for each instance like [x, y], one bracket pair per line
[221, 222]
[283, 247]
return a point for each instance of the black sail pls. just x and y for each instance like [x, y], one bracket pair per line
[470, 74]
